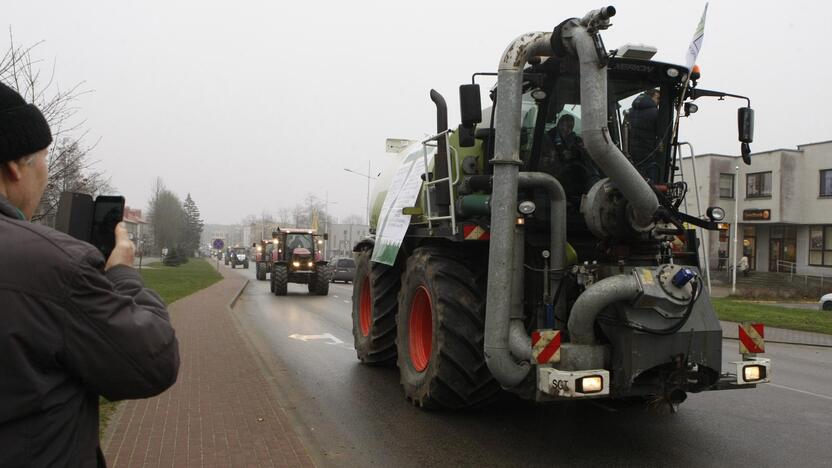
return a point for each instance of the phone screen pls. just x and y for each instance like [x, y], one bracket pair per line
[108, 212]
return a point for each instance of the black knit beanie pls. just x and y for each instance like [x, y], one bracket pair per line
[23, 130]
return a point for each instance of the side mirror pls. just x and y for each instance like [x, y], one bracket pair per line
[326, 236]
[469, 104]
[745, 127]
[254, 244]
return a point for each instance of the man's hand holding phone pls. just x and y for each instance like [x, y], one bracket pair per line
[124, 249]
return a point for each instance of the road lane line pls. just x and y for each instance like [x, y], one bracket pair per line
[347, 301]
[825, 397]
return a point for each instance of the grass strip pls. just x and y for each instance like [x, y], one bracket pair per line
[773, 316]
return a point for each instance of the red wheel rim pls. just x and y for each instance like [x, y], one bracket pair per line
[365, 307]
[421, 329]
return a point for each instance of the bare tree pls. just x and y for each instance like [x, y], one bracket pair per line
[70, 167]
[353, 219]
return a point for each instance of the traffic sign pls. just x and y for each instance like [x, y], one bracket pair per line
[218, 244]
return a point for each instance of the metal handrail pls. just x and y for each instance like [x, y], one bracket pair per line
[792, 266]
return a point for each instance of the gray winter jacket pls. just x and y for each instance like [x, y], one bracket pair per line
[70, 332]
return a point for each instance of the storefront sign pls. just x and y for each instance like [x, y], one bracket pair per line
[756, 215]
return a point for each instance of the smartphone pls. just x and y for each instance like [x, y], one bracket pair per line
[107, 213]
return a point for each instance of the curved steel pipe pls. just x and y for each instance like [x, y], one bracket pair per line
[598, 296]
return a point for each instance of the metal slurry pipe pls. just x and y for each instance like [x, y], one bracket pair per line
[506, 162]
[519, 342]
[596, 134]
[592, 301]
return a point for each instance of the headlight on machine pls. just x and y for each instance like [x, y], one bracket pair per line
[310, 264]
[590, 384]
[296, 264]
[753, 373]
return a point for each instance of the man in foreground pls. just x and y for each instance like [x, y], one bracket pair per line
[72, 327]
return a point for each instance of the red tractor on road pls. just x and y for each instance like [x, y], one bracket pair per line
[298, 260]
[264, 255]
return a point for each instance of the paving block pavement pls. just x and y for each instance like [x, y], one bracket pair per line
[220, 412]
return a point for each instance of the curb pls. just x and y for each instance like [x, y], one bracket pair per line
[271, 377]
[237, 296]
[784, 342]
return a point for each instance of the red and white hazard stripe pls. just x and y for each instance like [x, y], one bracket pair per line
[546, 346]
[474, 232]
[752, 338]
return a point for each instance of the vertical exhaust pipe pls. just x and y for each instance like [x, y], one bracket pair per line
[440, 162]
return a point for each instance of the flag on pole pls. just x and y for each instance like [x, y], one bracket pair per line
[696, 43]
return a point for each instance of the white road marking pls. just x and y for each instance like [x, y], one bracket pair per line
[327, 338]
[347, 301]
[825, 397]
[335, 296]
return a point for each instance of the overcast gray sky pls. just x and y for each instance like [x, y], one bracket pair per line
[251, 105]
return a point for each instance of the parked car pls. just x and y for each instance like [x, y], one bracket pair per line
[343, 269]
[825, 302]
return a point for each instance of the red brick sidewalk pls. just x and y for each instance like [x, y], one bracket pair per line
[220, 412]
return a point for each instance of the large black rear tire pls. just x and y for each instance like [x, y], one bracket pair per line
[280, 279]
[441, 323]
[374, 304]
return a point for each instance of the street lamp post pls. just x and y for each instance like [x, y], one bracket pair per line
[326, 224]
[369, 177]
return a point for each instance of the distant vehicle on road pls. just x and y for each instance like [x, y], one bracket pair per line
[825, 303]
[238, 256]
[343, 269]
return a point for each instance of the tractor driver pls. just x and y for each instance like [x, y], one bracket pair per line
[565, 157]
[645, 139]
[294, 243]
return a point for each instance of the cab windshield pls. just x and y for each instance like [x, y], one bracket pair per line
[294, 241]
[639, 118]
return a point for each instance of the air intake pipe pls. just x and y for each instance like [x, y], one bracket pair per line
[578, 36]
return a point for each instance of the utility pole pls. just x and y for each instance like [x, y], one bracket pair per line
[736, 228]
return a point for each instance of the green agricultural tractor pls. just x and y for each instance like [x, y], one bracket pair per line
[538, 247]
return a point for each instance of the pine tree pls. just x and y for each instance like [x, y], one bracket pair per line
[193, 227]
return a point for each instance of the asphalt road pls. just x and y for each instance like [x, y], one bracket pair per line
[354, 415]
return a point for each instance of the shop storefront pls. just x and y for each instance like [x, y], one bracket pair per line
[784, 208]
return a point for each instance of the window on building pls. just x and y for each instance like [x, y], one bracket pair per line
[758, 185]
[820, 245]
[826, 183]
[726, 186]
